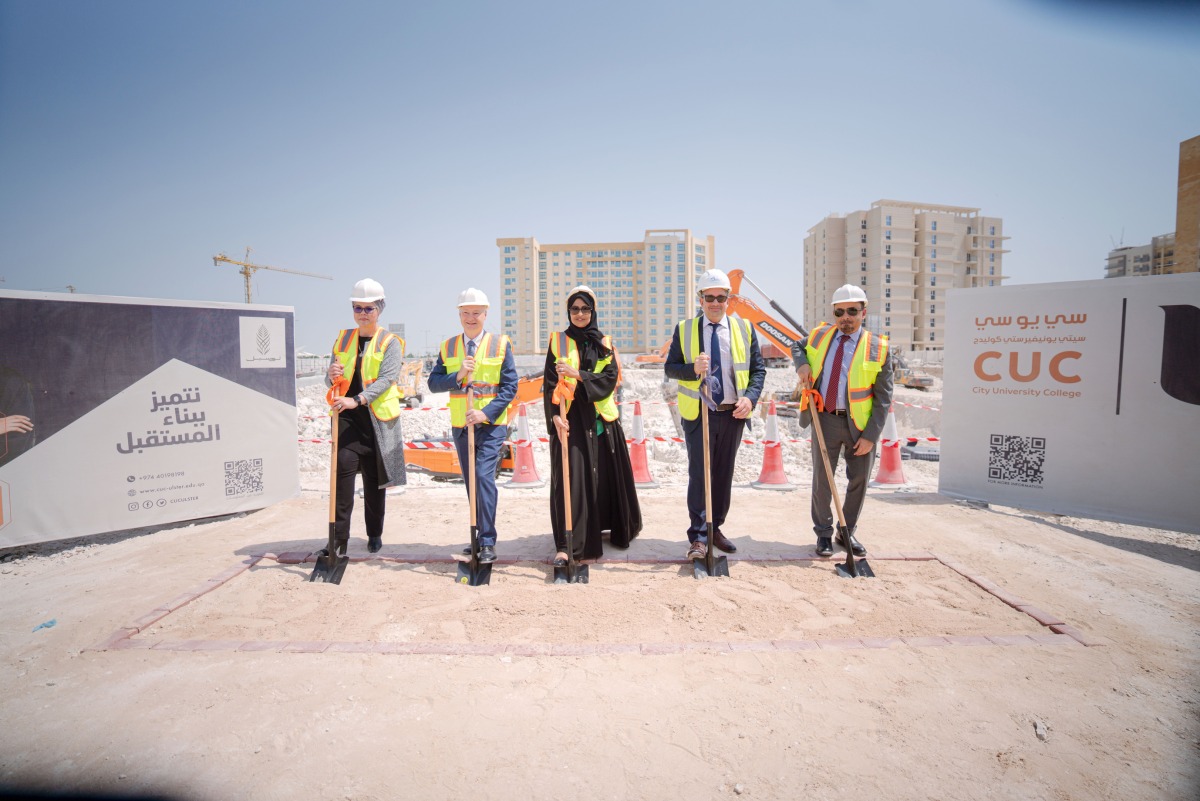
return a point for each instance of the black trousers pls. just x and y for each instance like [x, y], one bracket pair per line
[725, 435]
[354, 458]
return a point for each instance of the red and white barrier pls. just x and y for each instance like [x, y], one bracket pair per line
[772, 476]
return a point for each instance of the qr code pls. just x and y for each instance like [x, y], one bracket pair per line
[1016, 460]
[243, 477]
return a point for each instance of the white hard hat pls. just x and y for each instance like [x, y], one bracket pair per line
[849, 293]
[586, 290]
[472, 297]
[368, 289]
[713, 279]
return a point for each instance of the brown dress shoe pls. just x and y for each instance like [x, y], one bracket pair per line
[722, 543]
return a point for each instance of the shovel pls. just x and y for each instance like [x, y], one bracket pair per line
[710, 565]
[574, 572]
[471, 572]
[330, 564]
[852, 568]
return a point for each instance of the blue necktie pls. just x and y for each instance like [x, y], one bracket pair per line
[718, 393]
[470, 347]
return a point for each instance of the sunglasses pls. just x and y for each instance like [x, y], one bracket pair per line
[363, 309]
[851, 312]
[581, 309]
[715, 298]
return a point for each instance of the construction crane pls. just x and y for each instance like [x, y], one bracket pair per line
[249, 269]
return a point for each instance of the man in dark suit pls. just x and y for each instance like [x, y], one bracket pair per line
[851, 369]
[721, 351]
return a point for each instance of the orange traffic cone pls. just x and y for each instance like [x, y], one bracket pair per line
[637, 451]
[772, 476]
[890, 473]
[525, 474]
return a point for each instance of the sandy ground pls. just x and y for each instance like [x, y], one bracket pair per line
[781, 681]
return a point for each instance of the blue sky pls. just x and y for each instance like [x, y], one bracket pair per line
[399, 140]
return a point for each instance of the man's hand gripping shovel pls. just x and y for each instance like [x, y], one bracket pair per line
[331, 565]
[574, 572]
[811, 399]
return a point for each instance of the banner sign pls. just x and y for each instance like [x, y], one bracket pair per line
[119, 413]
[1077, 398]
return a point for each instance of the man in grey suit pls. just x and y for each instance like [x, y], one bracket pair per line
[852, 371]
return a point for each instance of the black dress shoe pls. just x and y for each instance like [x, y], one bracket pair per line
[722, 543]
[374, 544]
[859, 550]
[466, 551]
[487, 554]
[560, 562]
[824, 546]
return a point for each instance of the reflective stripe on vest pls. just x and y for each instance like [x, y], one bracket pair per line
[345, 348]
[865, 365]
[489, 359]
[739, 346]
[606, 407]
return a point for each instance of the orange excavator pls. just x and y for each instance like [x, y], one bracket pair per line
[775, 338]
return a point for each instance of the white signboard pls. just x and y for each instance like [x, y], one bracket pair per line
[1076, 398]
[120, 413]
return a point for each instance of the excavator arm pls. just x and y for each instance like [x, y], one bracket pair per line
[773, 332]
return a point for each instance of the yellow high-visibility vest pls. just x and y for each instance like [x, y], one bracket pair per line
[489, 359]
[345, 347]
[865, 365]
[739, 345]
[606, 407]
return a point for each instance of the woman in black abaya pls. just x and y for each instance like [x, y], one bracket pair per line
[582, 373]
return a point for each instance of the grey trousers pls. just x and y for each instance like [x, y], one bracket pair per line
[858, 471]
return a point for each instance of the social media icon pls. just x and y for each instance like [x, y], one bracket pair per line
[133, 507]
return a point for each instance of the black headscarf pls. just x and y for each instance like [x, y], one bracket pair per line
[589, 339]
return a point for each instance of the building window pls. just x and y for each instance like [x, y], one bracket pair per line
[887, 278]
[863, 239]
[933, 309]
[863, 267]
[887, 220]
[887, 291]
[992, 231]
[887, 307]
[933, 280]
[933, 225]
[933, 294]
[887, 321]
[933, 253]
[864, 253]
[991, 257]
[932, 322]
[933, 239]
[861, 224]
[887, 248]
[931, 336]
[887, 263]
[863, 281]
[887, 234]
[933, 267]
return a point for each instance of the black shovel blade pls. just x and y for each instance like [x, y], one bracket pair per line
[720, 567]
[474, 574]
[855, 568]
[329, 569]
[565, 575]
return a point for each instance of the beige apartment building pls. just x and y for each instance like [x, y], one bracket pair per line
[642, 288]
[905, 256]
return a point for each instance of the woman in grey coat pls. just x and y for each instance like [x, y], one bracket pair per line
[369, 436]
